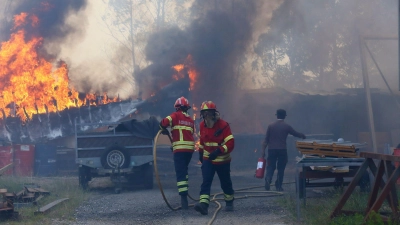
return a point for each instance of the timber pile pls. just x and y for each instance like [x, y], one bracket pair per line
[330, 148]
[6, 205]
[29, 196]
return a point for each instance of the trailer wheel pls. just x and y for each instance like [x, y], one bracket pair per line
[148, 176]
[114, 156]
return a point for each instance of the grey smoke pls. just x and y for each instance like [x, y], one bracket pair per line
[216, 40]
[52, 15]
[326, 35]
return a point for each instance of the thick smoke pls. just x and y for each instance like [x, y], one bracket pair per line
[52, 15]
[217, 40]
[322, 39]
[164, 49]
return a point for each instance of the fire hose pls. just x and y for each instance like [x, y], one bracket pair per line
[214, 196]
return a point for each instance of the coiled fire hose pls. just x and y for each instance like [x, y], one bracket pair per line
[214, 196]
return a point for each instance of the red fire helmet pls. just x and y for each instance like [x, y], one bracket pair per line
[207, 105]
[182, 102]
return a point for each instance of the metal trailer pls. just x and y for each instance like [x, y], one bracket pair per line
[121, 155]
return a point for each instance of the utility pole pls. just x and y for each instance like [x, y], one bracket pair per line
[364, 71]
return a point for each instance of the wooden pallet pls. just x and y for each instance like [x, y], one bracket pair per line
[330, 145]
[326, 153]
[329, 148]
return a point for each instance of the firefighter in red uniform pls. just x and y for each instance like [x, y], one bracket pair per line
[182, 128]
[216, 144]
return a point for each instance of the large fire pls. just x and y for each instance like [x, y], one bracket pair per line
[29, 83]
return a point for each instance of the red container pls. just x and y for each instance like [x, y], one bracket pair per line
[24, 158]
[396, 152]
[6, 158]
[260, 168]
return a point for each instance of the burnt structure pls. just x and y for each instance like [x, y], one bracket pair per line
[42, 127]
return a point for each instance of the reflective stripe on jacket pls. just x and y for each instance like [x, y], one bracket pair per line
[182, 128]
[211, 139]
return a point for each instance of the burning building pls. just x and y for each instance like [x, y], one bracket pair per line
[37, 100]
[202, 61]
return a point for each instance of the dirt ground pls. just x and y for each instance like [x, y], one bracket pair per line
[136, 205]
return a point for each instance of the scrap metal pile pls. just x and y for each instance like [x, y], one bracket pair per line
[323, 148]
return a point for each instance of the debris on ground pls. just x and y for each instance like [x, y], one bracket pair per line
[30, 195]
[6, 205]
[47, 207]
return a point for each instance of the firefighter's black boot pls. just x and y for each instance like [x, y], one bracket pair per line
[229, 206]
[184, 202]
[202, 208]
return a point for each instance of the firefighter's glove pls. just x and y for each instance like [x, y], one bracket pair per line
[213, 155]
[201, 157]
[164, 131]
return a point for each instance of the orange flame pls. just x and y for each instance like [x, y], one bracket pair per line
[190, 70]
[197, 141]
[178, 67]
[29, 83]
[195, 111]
[193, 74]
[195, 108]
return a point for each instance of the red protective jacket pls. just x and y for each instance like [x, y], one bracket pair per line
[217, 137]
[182, 128]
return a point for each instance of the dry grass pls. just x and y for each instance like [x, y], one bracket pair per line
[59, 187]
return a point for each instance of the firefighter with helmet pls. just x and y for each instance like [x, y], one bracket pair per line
[216, 144]
[182, 128]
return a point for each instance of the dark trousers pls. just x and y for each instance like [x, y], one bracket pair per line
[181, 162]
[277, 159]
[224, 174]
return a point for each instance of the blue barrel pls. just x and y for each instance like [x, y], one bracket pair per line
[45, 160]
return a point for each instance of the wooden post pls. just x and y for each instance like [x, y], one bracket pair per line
[337, 210]
[376, 199]
[364, 70]
[375, 187]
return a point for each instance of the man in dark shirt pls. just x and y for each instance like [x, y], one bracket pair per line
[275, 139]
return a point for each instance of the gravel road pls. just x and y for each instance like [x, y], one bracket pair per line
[139, 206]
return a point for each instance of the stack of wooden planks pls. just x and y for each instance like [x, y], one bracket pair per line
[330, 148]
